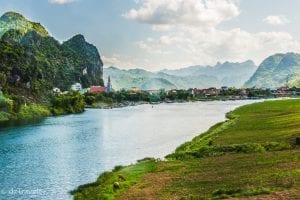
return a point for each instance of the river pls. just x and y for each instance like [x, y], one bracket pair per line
[48, 159]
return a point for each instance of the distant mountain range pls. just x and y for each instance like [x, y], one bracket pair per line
[276, 71]
[228, 73]
[146, 80]
[225, 74]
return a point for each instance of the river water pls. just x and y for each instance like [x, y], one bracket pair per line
[48, 159]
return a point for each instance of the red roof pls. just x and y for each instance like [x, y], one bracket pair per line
[95, 89]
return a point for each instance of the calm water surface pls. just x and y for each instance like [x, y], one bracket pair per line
[47, 160]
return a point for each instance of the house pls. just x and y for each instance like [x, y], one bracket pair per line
[135, 90]
[153, 91]
[283, 92]
[244, 93]
[198, 92]
[211, 92]
[191, 91]
[97, 89]
[224, 88]
[173, 91]
[56, 91]
[76, 87]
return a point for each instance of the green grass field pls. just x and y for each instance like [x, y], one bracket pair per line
[252, 155]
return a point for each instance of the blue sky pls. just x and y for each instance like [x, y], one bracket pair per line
[156, 34]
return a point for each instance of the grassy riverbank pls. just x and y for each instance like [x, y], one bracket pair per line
[13, 110]
[254, 153]
[26, 114]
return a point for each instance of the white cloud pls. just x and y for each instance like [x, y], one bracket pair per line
[195, 47]
[117, 61]
[61, 1]
[187, 12]
[189, 34]
[276, 20]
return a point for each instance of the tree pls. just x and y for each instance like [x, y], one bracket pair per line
[2, 80]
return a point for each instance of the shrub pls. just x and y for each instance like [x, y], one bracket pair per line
[227, 193]
[72, 102]
[6, 105]
[209, 150]
[17, 103]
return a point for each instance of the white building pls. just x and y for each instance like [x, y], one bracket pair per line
[56, 91]
[76, 87]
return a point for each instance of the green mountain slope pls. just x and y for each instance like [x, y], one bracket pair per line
[276, 70]
[32, 62]
[16, 21]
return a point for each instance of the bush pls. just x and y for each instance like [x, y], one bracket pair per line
[209, 151]
[4, 116]
[72, 102]
[6, 105]
[227, 193]
[31, 112]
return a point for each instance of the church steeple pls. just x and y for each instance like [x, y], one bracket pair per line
[109, 86]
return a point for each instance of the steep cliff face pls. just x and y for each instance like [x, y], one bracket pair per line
[35, 61]
[276, 70]
[87, 59]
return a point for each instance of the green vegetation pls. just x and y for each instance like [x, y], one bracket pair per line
[252, 153]
[13, 109]
[99, 100]
[72, 102]
[276, 70]
[32, 63]
[126, 97]
[104, 187]
[25, 114]
[11, 20]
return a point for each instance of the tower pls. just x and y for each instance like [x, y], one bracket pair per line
[108, 86]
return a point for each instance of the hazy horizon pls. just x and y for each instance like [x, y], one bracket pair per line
[177, 68]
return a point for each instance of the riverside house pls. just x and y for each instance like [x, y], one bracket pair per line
[76, 87]
[97, 89]
[207, 92]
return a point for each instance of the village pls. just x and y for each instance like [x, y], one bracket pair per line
[179, 95]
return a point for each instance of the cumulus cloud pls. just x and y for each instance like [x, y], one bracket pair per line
[276, 20]
[61, 1]
[184, 12]
[188, 33]
[117, 60]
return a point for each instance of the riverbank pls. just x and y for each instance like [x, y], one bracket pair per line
[105, 105]
[27, 114]
[14, 111]
[253, 153]
[109, 105]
